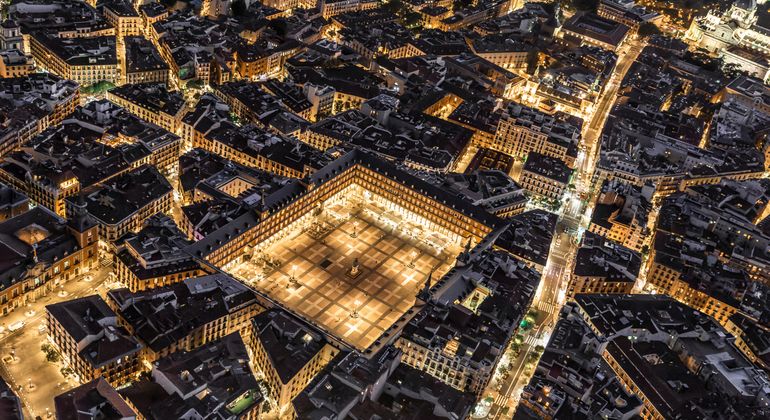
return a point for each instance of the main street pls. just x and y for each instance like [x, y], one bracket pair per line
[573, 218]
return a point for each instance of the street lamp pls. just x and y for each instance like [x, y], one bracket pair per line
[414, 258]
[354, 313]
[292, 278]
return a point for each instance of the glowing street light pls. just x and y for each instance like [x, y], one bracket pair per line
[354, 313]
[293, 283]
[414, 258]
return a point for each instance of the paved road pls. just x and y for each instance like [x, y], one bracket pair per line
[551, 295]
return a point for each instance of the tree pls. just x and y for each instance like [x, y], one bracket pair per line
[504, 370]
[97, 88]
[52, 357]
[648, 29]
[50, 353]
[731, 70]
[195, 84]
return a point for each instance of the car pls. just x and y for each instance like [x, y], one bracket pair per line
[16, 326]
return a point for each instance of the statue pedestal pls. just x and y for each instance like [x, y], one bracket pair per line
[355, 270]
[353, 273]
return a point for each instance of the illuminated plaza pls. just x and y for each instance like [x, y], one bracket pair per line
[353, 269]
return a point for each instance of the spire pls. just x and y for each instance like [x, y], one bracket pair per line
[78, 217]
[80, 206]
[464, 256]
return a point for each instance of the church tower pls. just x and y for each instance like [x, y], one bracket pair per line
[744, 13]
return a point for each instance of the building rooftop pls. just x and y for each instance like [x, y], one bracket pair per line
[92, 325]
[572, 380]
[548, 167]
[58, 17]
[34, 237]
[462, 316]
[152, 96]
[599, 257]
[414, 394]
[80, 51]
[161, 317]
[493, 190]
[122, 8]
[141, 55]
[288, 342]
[591, 25]
[157, 250]
[122, 196]
[10, 403]
[11, 199]
[529, 236]
[622, 203]
[256, 142]
[611, 315]
[97, 398]
[212, 381]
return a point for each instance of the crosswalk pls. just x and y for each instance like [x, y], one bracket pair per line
[531, 340]
[547, 307]
[500, 400]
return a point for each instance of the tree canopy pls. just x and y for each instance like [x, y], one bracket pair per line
[647, 29]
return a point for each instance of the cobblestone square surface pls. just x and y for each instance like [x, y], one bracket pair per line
[312, 277]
